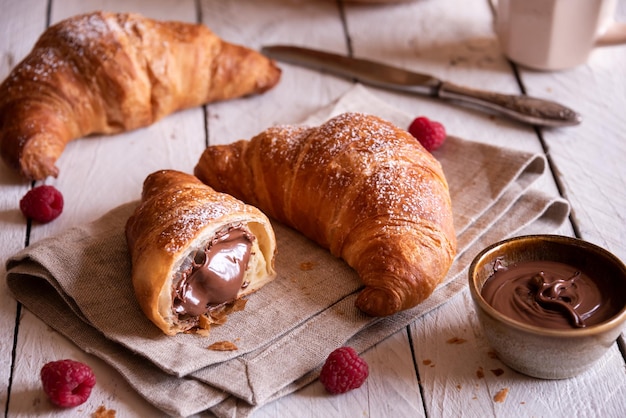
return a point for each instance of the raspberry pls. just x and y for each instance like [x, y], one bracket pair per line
[343, 370]
[42, 204]
[67, 383]
[429, 133]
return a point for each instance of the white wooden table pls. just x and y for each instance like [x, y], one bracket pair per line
[416, 372]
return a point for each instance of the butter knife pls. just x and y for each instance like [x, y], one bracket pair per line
[522, 108]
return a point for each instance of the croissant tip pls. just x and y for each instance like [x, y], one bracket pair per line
[39, 175]
[377, 302]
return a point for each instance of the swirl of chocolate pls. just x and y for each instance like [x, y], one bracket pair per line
[547, 294]
[216, 273]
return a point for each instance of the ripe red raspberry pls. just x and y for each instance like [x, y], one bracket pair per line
[429, 133]
[42, 204]
[67, 383]
[343, 370]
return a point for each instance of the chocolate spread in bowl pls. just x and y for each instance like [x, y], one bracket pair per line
[215, 273]
[547, 294]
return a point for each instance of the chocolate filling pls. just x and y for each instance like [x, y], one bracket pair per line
[548, 294]
[213, 275]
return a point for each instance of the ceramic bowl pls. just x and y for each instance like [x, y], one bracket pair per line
[535, 350]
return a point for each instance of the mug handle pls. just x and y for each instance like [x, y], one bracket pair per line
[614, 35]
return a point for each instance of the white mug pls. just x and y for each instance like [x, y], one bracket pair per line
[552, 34]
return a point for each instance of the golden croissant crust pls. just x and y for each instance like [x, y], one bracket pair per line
[105, 73]
[195, 252]
[357, 185]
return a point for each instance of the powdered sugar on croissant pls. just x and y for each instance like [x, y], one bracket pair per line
[112, 72]
[357, 185]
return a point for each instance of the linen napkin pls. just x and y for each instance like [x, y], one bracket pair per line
[79, 283]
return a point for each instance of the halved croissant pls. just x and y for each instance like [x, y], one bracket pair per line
[357, 185]
[195, 251]
[112, 72]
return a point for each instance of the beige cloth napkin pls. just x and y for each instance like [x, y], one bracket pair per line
[79, 283]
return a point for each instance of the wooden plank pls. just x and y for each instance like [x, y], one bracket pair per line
[183, 10]
[300, 91]
[391, 390]
[15, 43]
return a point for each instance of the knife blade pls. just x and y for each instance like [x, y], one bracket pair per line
[531, 110]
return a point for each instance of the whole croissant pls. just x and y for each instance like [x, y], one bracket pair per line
[195, 251]
[112, 72]
[357, 185]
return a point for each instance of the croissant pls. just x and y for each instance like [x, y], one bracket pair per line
[195, 252]
[358, 186]
[105, 73]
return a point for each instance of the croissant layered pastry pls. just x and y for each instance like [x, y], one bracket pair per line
[195, 252]
[106, 73]
[358, 186]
